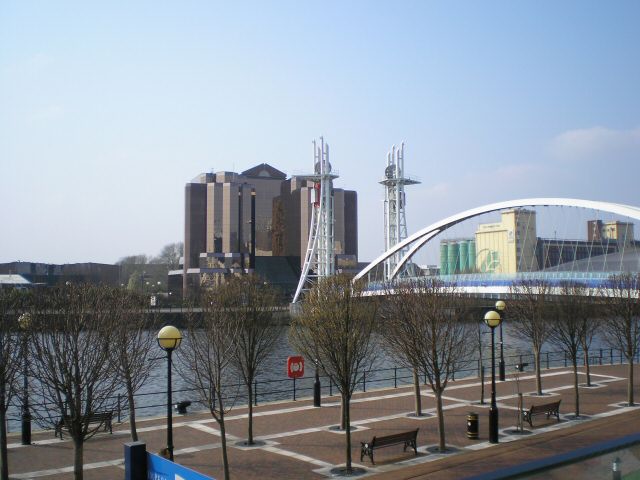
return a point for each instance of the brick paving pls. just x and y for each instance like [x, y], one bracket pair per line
[297, 442]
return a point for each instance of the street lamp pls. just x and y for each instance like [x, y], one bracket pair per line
[24, 321]
[169, 339]
[500, 305]
[492, 319]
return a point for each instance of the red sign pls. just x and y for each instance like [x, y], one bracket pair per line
[295, 366]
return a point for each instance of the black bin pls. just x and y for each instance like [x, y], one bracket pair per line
[472, 426]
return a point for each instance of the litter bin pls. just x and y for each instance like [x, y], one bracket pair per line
[472, 426]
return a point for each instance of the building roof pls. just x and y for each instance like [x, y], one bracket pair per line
[13, 279]
[264, 170]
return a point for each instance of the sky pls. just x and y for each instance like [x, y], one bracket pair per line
[107, 109]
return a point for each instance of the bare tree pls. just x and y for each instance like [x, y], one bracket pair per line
[622, 322]
[133, 345]
[400, 335]
[249, 303]
[530, 307]
[207, 353]
[336, 327]
[429, 332]
[170, 255]
[140, 259]
[570, 328]
[70, 345]
[11, 304]
[591, 327]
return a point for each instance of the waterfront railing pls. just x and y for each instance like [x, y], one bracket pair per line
[269, 390]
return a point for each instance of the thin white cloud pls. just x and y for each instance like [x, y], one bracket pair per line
[599, 143]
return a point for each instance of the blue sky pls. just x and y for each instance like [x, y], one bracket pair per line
[108, 108]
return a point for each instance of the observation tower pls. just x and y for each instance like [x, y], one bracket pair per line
[319, 258]
[395, 222]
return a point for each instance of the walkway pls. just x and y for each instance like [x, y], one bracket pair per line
[297, 441]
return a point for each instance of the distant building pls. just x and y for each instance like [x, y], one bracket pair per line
[512, 246]
[14, 281]
[232, 219]
[292, 211]
[46, 274]
[508, 246]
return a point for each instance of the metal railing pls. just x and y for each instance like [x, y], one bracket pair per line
[294, 389]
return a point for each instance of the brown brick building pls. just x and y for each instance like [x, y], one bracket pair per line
[232, 218]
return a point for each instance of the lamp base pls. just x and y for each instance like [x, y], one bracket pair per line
[493, 424]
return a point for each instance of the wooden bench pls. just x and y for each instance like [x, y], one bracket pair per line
[548, 409]
[406, 438]
[103, 418]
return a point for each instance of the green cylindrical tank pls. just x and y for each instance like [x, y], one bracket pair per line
[472, 255]
[444, 248]
[453, 254]
[463, 264]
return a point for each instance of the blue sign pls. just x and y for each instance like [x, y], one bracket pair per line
[159, 468]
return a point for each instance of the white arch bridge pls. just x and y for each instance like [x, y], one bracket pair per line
[499, 283]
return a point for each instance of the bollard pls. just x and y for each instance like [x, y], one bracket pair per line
[547, 360]
[615, 471]
[600, 356]
[611, 355]
[472, 426]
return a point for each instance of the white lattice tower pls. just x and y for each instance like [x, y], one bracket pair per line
[395, 222]
[319, 257]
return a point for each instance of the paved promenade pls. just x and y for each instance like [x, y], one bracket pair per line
[297, 441]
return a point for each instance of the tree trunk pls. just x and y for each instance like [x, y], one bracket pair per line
[575, 384]
[441, 444]
[587, 364]
[223, 440]
[630, 400]
[416, 391]
[347, 421]
[4, 460]
[78, 445]
[132, 411]
[250, 426]
[342, 412]
[536, 361]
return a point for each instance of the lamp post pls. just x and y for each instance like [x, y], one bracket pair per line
[316, 388]
[492, 319]
[24, 321]
[169, 339]
[500, 306]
